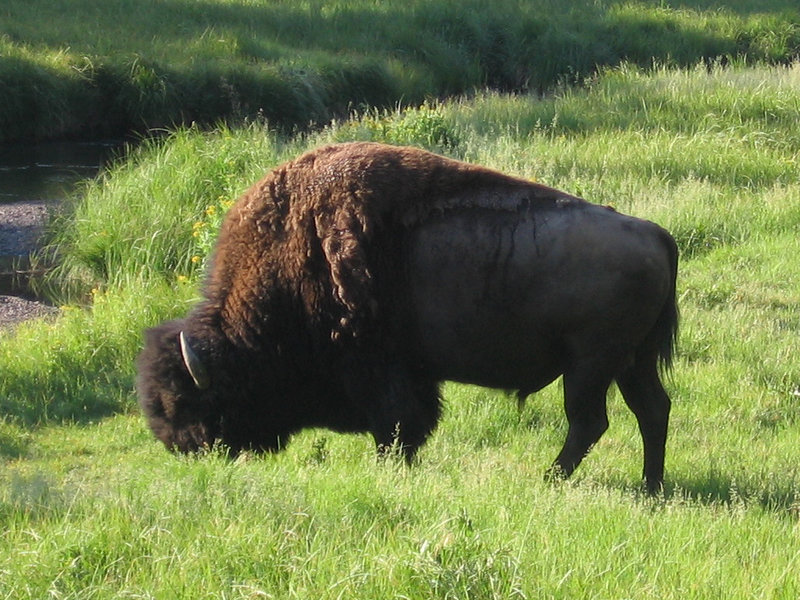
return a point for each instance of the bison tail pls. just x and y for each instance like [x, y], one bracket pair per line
[665, 330]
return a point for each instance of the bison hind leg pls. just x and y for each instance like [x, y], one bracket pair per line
[645, 395]
[406, 412]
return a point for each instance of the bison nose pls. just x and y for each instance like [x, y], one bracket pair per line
[193, 438]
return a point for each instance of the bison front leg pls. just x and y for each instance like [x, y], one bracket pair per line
[406, 412]
[585, 388]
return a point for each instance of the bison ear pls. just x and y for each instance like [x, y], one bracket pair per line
[193, 364]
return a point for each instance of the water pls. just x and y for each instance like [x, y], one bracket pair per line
[48, 171]
[33, 178]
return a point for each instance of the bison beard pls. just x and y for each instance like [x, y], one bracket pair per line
[348, 283]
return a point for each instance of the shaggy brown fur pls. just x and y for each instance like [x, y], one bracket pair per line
[323, 210]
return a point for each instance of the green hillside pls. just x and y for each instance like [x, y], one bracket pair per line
[86, 68]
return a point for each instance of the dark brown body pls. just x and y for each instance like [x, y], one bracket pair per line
[349, 283]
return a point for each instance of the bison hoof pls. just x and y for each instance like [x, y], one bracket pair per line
[555, 473]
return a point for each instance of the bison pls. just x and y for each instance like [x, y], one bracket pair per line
[351, 281]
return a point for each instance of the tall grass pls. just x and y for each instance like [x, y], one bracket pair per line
[142, 218]
[79, 68]
[711, 155]
[79, 368]
[92, 507]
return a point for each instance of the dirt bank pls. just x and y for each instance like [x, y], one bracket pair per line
[21, 225]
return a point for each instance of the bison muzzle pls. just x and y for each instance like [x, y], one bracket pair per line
[348, 283]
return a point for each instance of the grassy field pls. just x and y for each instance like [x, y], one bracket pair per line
[92, 507]
[83, 68]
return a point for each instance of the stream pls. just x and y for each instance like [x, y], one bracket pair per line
[34, 177]
[47, 171]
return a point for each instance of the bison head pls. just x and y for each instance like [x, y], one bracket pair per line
[175, 390]
[191, 400]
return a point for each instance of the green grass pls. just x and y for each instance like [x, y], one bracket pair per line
[710, 155]
[92, 507]
[79, 67]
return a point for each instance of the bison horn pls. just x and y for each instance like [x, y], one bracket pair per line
[193, 364]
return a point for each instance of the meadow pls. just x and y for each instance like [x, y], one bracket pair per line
[92, 507]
